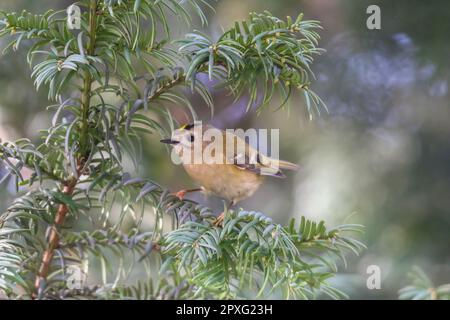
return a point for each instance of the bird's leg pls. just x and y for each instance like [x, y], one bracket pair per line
[219, 220]
[182, 193]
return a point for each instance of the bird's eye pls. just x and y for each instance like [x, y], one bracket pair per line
[191, 138]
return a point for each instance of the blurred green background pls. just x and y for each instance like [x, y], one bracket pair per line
[381, 157]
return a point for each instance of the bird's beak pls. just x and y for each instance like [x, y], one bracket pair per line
[169, 141]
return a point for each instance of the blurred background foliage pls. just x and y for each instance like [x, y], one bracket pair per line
[381, 157]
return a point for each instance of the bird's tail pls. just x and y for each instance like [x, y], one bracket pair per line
[286, 165]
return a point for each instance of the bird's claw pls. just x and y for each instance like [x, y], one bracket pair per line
[219, 220]
[180, 194]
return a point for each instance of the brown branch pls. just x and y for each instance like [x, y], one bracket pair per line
[53, 239]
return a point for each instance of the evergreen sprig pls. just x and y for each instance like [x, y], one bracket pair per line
[252, 252]
[259, 56]
[422, 288]
[78, 206]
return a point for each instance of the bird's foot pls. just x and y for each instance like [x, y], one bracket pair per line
[180, 194]
[219, 220]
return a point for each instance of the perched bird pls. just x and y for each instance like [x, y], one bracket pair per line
[236, 170]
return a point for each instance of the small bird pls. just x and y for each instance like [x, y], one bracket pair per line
[235, 176]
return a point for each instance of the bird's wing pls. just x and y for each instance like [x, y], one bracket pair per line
[248, 158]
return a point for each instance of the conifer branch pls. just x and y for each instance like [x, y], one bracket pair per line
[69, 187]
[78, 169]
[422, 288]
